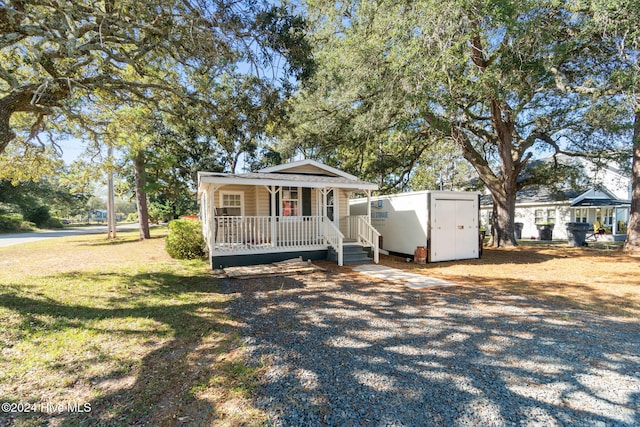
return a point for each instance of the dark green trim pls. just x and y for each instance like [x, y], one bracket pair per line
[306, 201]
[254, 259]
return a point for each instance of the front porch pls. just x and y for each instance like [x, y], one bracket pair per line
[242, 240]
[290, 210]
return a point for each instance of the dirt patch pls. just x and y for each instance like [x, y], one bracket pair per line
[601, 280]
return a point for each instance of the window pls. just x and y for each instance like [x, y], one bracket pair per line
[607, 216]
[232, 203]
[581, 214]
[290, 201]
[551, 216]
[331, 203]
[544, 216]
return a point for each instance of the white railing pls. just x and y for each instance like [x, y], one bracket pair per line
[368, 236]
[294, 232]
[247, 233]
[234, 233]
[334, 238]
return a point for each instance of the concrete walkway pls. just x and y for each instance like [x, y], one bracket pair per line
[410, 280]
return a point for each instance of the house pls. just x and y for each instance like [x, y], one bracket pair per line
[605, 195]
[282, 212]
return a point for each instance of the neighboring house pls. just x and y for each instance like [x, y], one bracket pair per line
[607, 199]
[98, 215]
[282, 212]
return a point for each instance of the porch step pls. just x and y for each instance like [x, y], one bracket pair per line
[351, 254]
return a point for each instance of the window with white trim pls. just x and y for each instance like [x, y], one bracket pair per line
[290, 201]
[543, 216]
[331, 205]
[232, 203]
[607, 216]
[581, 214]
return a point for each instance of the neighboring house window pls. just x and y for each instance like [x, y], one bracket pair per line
[290, 201]
[545, 215]
[581, 215]
[551, 215]
[232, 203]
[607, 216]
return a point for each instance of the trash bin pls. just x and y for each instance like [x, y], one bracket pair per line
[519, 226]
[545, 231]
[577, 233]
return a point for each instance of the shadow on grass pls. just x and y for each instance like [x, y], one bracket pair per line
[353, 351]
[118, 241]
[152, 384]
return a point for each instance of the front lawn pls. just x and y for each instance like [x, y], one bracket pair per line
[117, 333]
[98, 332]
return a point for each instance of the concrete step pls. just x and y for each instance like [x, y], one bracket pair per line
[351, 254]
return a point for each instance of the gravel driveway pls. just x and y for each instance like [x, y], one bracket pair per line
[346, 350]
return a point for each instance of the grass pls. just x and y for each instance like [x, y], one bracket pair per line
[140, 337]
[145, 340]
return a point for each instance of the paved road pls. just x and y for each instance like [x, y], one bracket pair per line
[20, 238]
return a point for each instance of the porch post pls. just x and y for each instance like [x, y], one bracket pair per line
[212, 215]
[272, 193]
[349, 216]
[324, 202]
[369, 206]
[614, 225]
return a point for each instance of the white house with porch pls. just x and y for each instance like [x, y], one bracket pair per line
[607, 199]
[285, 211]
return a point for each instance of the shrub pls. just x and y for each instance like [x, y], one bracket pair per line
[14, 222]
[38, 215]
[52, 223]
[185, 239]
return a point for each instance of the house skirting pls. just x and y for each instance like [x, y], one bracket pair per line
[236, 260]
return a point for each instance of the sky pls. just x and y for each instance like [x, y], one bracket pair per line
[71, 149]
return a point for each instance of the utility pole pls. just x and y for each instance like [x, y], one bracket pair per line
[111, 205]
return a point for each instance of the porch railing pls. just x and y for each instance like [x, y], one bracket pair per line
[334, 238]
[248, 233]
[361, 230]
[232, 233]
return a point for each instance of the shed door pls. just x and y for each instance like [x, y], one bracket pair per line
[443, 230]
[466, 229]
[454, 230]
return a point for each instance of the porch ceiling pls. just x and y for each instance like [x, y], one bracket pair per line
[285, 179]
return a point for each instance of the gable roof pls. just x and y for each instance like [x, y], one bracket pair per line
[312, 164]
[537, 194]
[595, 196]
[598, 197]
[285, 179]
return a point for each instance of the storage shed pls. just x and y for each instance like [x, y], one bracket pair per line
[445, 222]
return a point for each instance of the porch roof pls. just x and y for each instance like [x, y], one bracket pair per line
[599, 203]
[285, 179]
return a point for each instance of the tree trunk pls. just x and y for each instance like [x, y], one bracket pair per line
[15, 101]
[502, 221]
[632, 243]
[141, 195]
